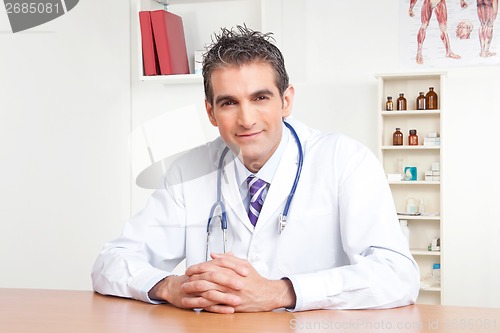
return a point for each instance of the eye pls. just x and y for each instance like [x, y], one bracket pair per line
[261, 98]
[227, 103]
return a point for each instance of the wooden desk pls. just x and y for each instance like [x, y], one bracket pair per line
[51, 311]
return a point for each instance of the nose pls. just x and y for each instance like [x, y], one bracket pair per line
[247, 115]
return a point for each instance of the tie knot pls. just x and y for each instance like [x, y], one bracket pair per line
[255, 185]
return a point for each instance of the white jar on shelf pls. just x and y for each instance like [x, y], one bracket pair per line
[411, 206]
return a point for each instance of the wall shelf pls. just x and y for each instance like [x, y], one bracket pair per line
[424, 252]
[410, 113]
[414, 182]
[420, 217]
[410, 147]
[174, 79]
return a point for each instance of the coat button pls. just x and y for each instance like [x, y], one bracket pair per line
[254, 259]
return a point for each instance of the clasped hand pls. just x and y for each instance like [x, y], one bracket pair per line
[225, 284]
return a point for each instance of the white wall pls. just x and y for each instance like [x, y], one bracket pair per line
[471, 188]
[65, 119]
[333, 51]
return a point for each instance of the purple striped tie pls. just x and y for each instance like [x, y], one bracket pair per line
[255, 188]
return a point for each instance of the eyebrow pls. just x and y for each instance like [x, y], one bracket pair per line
[223, 98]
[260, 92]
[263, 92]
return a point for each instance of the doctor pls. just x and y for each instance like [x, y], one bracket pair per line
[341, 247]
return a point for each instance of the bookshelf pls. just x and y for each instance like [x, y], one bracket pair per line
[429, 224]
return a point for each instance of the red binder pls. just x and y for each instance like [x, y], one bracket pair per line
[170, 42]
[149, 57]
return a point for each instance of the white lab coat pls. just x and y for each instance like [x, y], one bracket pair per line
[342, 247]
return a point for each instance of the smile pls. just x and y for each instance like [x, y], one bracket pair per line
[249, 135]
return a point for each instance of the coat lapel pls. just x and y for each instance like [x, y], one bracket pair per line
[231, 194]
[281, 185]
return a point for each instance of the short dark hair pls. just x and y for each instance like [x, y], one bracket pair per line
[240, 47]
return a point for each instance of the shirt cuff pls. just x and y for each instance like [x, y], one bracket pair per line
[142, 284]
[312, 292]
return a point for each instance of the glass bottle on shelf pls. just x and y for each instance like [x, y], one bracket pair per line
[397, 137]
[421, 102]
[389, 105]
[421, 206]
[431, 99]
[436, 274]
[401, 102]
[400, 166]
[413, 138]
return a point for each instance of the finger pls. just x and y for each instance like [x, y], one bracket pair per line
[213, 254]
[230, 263]
[214, 280]
[197, 302]
[217, 297]
[195, 288]
[205, 267]
[217, 308]
[209, 298]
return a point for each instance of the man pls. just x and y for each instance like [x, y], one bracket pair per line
[439, 8]
[341, 247]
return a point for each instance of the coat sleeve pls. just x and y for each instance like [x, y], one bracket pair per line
[381, 272]
[150, 247]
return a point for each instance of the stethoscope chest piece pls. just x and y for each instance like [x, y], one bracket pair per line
[281, 223]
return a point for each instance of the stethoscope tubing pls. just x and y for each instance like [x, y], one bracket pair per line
[299, 169]
[219, 201]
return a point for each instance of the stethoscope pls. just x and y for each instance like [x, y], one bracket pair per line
[220, 204]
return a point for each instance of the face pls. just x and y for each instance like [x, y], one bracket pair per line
[248, 110]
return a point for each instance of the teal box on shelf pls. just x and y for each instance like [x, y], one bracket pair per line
[410, 173]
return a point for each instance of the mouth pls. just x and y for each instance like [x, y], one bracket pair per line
[248, 135]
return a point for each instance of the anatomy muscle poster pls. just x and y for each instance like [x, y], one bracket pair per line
[453, 33]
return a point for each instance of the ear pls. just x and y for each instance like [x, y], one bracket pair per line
[288, 101]
[210, 113]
